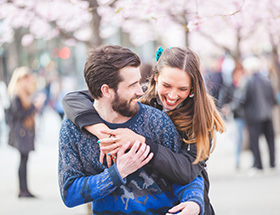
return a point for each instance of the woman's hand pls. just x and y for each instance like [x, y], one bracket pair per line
[185, 208]
[95, 130]
[111, 140]
[118, 138]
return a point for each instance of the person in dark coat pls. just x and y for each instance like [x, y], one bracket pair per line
[259, 101]
[21, 121]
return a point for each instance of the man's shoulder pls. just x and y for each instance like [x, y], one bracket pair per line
[152, 110]
[151, 114]
[68, 126]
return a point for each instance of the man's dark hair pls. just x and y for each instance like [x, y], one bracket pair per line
[103, 65]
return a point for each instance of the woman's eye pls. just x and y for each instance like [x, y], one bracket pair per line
[166, 86]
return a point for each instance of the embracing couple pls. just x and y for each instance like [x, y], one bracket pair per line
[130, 152]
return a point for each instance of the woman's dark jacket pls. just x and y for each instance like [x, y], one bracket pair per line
[20, 137]
[174, 166]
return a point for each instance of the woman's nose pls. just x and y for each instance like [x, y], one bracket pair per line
[173, 94]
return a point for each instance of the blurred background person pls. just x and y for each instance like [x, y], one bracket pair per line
[22, 111]
[214, 79]
[259, 101]
[231, 103]
[146, 73]
[4, 106]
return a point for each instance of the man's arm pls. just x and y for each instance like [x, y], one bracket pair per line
[75, 186]
[78, 188]
[192, 192]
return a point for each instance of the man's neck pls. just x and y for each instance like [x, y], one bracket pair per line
[106, 112]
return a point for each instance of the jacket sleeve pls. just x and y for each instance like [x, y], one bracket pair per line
[193, 191]
[169, 138]
[75, 186]
[176, 167]
[78, 107]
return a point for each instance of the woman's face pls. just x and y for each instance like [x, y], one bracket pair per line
[27, 84]
[174, 86]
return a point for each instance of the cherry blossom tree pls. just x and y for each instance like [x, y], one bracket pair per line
[45, 19]
[231, 26]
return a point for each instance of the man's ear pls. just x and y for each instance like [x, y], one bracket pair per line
[106, 90]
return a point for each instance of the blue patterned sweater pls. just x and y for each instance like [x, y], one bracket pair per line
[83, 179]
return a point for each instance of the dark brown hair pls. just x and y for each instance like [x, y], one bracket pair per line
[103, 65]
[198, 117]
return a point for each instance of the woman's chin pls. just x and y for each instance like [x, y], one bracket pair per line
[169, 107]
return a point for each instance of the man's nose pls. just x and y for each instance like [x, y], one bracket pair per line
[139, 91]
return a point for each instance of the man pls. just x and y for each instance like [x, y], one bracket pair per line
[259, 101]
[128, 187]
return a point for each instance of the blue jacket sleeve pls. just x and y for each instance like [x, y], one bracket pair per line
[90, 188]
[191, 192]
[78, 186]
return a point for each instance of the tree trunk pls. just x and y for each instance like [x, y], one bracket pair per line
[96, 39]
[237, 53]
[187, 33]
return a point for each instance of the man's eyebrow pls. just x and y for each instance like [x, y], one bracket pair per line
[133, 83]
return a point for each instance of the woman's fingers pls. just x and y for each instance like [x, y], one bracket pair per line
[110, 149]
[115, 151]
[107, 141]
[101, 157]
[109, 160]
[109, 132]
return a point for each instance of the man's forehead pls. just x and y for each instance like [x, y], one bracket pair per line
[130, 73]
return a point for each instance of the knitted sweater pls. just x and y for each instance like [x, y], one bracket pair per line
[83, 179]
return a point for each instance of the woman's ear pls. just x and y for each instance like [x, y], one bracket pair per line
[156, 78]
[106, 90]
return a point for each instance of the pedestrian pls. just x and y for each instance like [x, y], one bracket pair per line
[4, 106]
[22, 121]
[129, 186]
[231, 101]
[146, 73]
[259, 102]
[178, 89]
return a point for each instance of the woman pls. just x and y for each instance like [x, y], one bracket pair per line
[231, 100]
[176, 87]
[21, 121]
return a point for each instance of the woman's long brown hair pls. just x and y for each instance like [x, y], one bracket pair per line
[198, 118]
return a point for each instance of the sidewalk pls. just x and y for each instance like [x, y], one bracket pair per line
[240, 193]
[42, 178]
[231, 193]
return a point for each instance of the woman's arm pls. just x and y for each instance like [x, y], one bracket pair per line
[176, 167]
[78, 107]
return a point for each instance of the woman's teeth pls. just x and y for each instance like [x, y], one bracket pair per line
[171, 101]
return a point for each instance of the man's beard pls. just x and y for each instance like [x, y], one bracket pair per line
[124, 107]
